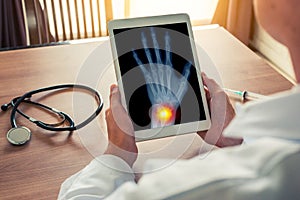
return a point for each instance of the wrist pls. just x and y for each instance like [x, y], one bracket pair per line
[162, 115]
[128, 155]
[215, 137]
[227, 142]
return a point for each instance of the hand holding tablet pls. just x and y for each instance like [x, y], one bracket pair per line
[159, 75]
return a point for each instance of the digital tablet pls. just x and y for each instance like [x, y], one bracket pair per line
[159, 75]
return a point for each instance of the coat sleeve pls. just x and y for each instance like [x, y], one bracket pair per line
[98, 179]
[265, 169]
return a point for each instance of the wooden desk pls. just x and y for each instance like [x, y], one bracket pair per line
[36, 170]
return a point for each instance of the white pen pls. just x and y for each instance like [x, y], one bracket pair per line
[245, 95]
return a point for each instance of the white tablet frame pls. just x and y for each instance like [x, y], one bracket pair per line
[176, 129]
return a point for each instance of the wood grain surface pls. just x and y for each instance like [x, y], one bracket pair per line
[37, 169]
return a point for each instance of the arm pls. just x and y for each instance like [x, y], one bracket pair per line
[98, 179]
[268, 174]
[107, 172]
[199, 178]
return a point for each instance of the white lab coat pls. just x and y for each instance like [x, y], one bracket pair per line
[263, 169]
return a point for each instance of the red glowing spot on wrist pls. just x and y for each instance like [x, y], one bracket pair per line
[164, 113]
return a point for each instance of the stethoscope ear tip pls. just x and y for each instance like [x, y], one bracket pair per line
[4, 107]
[18, 135]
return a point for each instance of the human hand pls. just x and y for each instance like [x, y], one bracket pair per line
[120, 130]
[166, 87]
[221, 112]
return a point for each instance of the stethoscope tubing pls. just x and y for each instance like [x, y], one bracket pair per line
[61, 114]
[43, 125]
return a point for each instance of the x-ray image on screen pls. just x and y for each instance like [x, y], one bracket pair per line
[165, 88]
[158, 75]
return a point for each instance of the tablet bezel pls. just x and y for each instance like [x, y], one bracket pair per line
[176, 129]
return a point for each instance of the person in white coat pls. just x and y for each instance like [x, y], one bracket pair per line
[266, 168]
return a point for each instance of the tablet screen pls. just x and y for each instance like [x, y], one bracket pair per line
[159, 76]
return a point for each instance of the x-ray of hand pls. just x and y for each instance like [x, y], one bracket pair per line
[165, 86]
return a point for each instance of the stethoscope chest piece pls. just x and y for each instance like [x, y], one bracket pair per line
[18, 135]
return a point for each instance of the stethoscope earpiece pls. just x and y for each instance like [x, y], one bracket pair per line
[19, 135]
[4, 107]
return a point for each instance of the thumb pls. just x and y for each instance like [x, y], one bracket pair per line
[115, 96]
[211, 84]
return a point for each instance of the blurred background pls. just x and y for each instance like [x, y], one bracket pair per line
[36, 23]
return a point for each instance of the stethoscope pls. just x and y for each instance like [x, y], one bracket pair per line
[19, 135]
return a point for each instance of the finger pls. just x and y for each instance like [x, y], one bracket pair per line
[204, 78]
[168, 49]
[211, 84]
[161, 78]
[146, 73]
[183, 81]
[208, 97]
[116, 116]
[182, 89]
[147, 51]
[156, 46]
[108, 117]
[169, 72]
[142, 67]
[107, 113]
[186, 70]
[155, 78]
[168, 62]
[109, 121]
[115, 97]
[137, 59]
[152, 71]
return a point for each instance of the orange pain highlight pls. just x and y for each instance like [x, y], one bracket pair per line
[164, 114]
